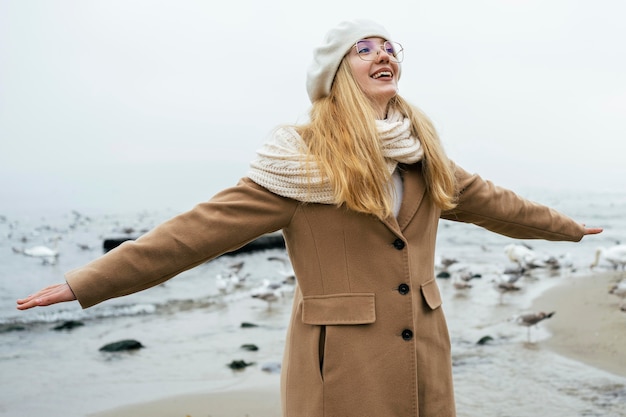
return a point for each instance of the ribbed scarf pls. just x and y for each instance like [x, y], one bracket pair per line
[281, 165]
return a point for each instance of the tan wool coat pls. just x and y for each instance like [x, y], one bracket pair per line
[367, 336]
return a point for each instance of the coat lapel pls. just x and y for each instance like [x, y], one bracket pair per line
[414, 190]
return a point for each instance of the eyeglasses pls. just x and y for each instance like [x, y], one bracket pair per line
[369, 50]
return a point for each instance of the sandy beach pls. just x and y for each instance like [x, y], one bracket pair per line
[261, 402]
[588, 327]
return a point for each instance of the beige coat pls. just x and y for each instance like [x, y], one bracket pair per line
[367, 337]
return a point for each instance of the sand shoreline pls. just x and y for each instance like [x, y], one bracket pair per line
[588, 327]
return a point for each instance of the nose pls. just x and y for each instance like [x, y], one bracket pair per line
[382, 55]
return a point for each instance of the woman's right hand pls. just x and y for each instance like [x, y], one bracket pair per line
[53, 294]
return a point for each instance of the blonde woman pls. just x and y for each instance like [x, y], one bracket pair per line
[358, 193]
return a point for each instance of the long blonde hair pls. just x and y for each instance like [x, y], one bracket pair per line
[343, 140]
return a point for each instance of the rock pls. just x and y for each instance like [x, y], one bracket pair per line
[68, 325]
[267, 241]
[122, 345]
[443, 274]
[114, 242]
[484, 340]
[246, 325]
[12, 328]
[250, 347]
[239, 364]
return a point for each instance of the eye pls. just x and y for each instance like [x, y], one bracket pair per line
[389, 48]
[363, 47]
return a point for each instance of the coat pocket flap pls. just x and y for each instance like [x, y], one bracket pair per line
[431, 293]
[339, 309]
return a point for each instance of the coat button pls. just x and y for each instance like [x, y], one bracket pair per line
[403, 289]
[398, 244]
[407, 334]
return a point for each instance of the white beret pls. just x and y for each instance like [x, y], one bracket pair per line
[328, 56]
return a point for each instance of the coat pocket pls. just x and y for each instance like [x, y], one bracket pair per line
[430, 291]
[338, 309]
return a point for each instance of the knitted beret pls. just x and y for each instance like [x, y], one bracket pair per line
[328, 56]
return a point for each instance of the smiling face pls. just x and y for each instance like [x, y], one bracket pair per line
[377, 78]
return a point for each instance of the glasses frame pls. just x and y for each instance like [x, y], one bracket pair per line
[398, 57]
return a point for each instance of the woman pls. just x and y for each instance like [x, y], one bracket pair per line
[358, 193]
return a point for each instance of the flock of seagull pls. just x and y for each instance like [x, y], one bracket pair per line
[268, 291]
[524, 260]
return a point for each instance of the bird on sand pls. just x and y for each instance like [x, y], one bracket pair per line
[615, 255]
[619, 290]
[269, 292]
[506, 283]
[462, 280]
[523, 256]
[531, 319]
[287, 272]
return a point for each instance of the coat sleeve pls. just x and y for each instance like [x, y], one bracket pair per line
[502, 211]
[228, 221]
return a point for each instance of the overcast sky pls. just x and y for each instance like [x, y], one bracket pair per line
[159, 104]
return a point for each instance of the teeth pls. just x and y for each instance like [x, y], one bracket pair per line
[382, 74]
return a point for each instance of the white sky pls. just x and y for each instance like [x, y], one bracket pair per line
[159, 104]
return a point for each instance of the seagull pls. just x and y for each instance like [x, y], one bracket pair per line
[615, 255]
[287, 272]
[506, 283]
[223, 283]
[523, 256]
[531, 319]
[268, 292]
[228, 281]
[462, 280]
[443, 262]
[619, 289]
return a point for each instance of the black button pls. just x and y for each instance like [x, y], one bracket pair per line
[398, 244]
[407, 334]
[403, 289]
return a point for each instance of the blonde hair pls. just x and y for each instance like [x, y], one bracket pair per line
[343, 140]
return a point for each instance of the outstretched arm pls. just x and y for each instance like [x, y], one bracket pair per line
[53, 294]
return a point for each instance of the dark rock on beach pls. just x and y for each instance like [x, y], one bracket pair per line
[122, 345]
[12, 328]
[484, 340]
[68, 325]
[239, 364]
[114, 242]
[249, 346]
[247, 325]
[268, 241]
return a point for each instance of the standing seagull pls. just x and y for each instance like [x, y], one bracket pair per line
[531, 319]
[615, 255]
[619, 289]
[523, 256]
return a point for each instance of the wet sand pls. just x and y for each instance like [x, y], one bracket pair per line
[261, 402]
[588, 327]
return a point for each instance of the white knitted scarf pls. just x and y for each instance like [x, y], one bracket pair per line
[281, 165]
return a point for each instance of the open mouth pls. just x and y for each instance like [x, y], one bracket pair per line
[382, 74]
